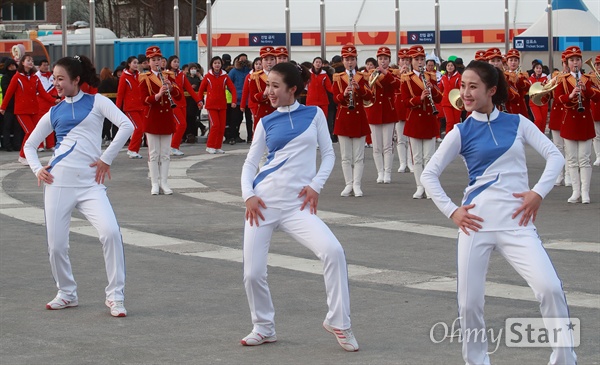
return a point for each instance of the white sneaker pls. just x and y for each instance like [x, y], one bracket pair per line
[212, 151]
[133, 154]
[23, 161]
[344, 337]
[255, 339]
[402, 168]
[597, 162]
[419, 193]
[347, 191]
[176, 152]
[117, 309]
[40, 149]
[357, 191]
[219, 151]
[60, 303]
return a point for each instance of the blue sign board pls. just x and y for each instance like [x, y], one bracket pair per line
[273, 39]
[531, 43]
[425, 37]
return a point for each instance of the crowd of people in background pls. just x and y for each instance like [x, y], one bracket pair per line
[232, 94]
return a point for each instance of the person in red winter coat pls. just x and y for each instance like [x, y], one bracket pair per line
[214, 83]
[129, 100]
[25, 86]
[451, 80]
[318, 86]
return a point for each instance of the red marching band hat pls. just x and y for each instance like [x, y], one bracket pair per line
[349, 50]
[480, 55]
[513, 53]
[416, 51]
[384, 51]
[153, 51]
[597, 60]
[571, 51]
[493, 53]
[281, 51]
[267, 51]
[403, 53]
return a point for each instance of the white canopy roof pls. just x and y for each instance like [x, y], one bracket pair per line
[565, 23]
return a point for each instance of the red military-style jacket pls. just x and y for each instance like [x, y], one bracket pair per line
[129, 96]
[258, 85]
[577, 126]
[25, 89]
[351, 122]
[318, 86]
[214, 86]
[159, 116]
[518, 86]
[595, 104]
[448, 83]
[383, 109]
[400, 107]
[184, 85]
[420, 121]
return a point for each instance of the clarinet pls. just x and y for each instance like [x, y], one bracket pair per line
[422, 72]
[162, 80]
[351, 96]
[580, 107]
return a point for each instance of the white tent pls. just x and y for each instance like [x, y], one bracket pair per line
[268, 16]
[575, 21]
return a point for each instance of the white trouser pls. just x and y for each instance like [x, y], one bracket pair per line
[597, 139]
[382, 136]
[93, 203]
[310, 231]
[422, 150]
[402, 145]
[159, 146]
[352, 153]
[578, 153]
[559, 142]
[524, 252]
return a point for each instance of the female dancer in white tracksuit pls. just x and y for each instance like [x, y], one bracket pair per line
[498, 208]
[284, 195]
[74, 178]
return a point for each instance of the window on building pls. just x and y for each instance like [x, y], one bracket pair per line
[24, 12]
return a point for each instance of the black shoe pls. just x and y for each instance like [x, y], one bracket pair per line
[202, 132]
[232, 141]
[240, 140]
[249, 141]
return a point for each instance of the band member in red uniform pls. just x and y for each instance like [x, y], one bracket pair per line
[45, 75]
[494, 57]
[258, 83]
[402, 146]
[158, 91]
[214, 83]
[382, 114]
[129, 100]
[180, 112]
[596, 109]
[450, 81]
[557, 115]
[540, 113]
[247, 102]
[480, 55]
[350, 89]
[25, 87]
[282, 54]
[518, 81]
[421, 125]
[318, 86]
[575, 91]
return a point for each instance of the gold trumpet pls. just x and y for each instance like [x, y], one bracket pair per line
[455, 100]
[590, 63]
[538, 93]
[373, 78]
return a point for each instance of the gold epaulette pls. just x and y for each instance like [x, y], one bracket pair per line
[338, 76]
[256, 75]
[406, 76]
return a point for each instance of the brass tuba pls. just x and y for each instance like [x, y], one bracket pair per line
[455, 100]
[538, 93]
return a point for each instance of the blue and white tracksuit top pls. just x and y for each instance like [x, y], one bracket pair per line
[494, 152]
[77, 122]
[291, 134]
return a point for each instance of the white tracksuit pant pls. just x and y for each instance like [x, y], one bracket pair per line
[310, 231]
[93, 203]
[524, 251]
